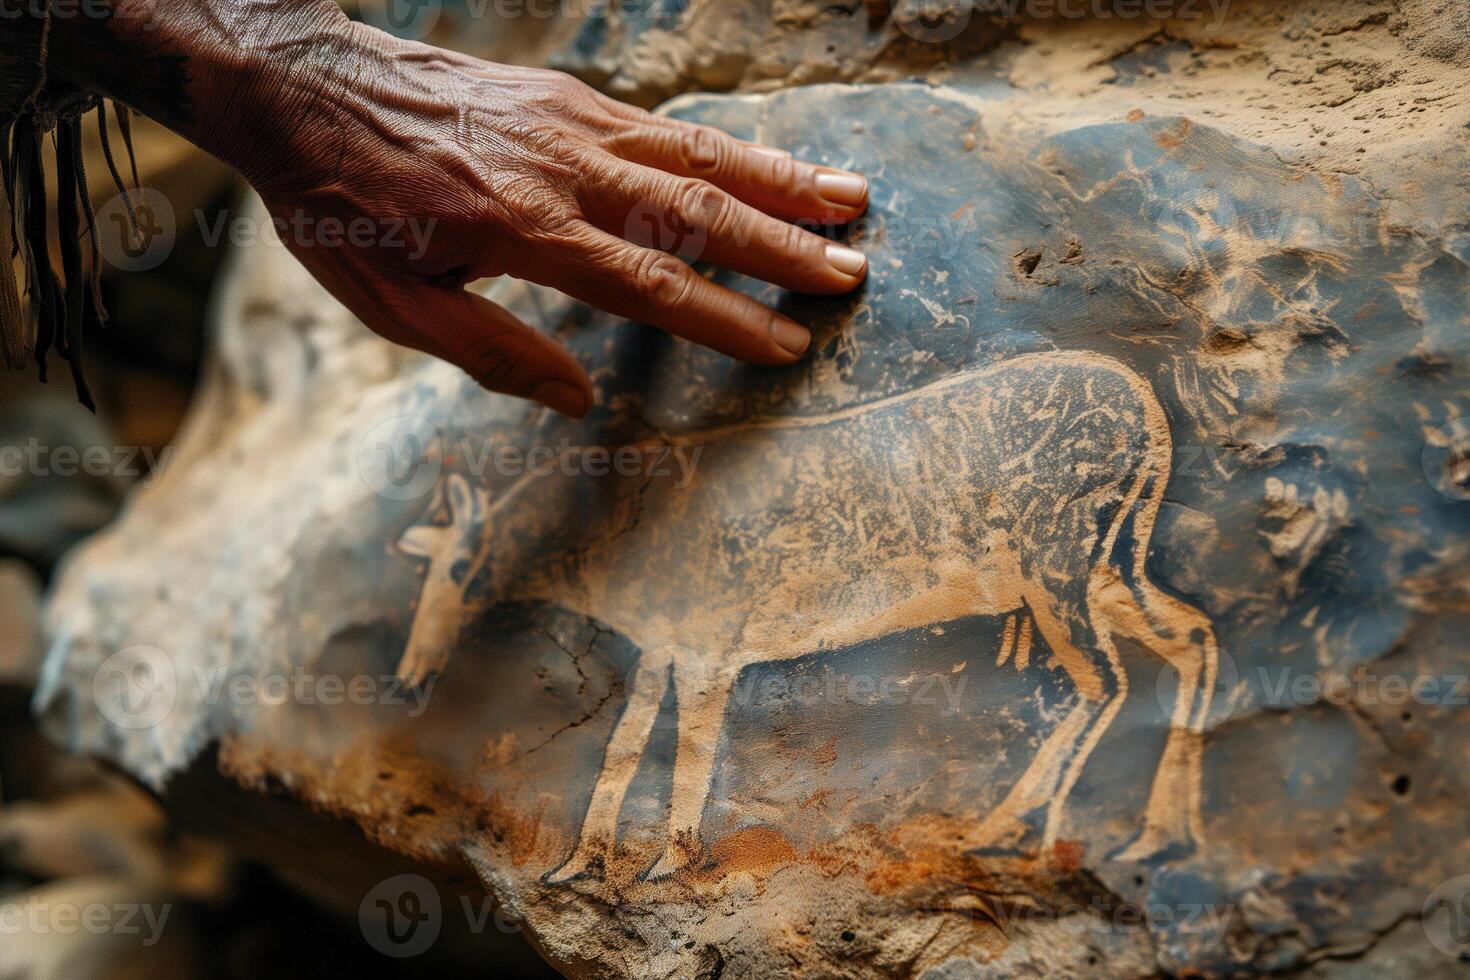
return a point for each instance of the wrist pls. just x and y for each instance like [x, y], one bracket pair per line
[222, 76]
[262, 104]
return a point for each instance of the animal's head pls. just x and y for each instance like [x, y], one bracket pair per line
[451, 548]
[454, 552]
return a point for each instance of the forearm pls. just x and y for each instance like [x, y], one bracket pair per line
[221, 73]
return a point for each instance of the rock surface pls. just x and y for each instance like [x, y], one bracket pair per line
[1093, 601]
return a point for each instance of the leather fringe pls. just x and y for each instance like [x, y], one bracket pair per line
[62, 307]
[14, 332]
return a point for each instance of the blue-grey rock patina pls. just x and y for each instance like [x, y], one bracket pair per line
[1261, 391]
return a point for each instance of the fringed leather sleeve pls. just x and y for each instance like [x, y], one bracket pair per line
[41, 118]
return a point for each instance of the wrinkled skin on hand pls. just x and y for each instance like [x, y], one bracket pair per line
[414, 170]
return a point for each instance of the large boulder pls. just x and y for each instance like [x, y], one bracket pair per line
[1091, 602]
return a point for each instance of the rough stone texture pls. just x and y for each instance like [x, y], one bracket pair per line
[1197, 305]
[652, 50]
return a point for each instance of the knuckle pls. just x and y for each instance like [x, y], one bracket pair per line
[664, 279]
[703, 203]
[631, 138]
[490, 357]
[701, 149]
[492, 361]
[783, 172]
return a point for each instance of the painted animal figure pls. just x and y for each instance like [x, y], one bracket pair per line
[1028, 488]
[441, 608]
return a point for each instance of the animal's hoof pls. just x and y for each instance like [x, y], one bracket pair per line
[668, 862]
[413, 674]
[1003, 836]
[579, 865]
[677, 856]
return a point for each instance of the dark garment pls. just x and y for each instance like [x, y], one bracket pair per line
[37, 112]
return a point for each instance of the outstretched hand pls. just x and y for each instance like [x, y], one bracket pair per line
[501, 171]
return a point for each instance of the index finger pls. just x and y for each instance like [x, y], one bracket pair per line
[763, 177]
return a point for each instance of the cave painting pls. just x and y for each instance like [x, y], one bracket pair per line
[1028, 488]
[442, 606]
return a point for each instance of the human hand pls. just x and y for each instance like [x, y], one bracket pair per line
[528, 173]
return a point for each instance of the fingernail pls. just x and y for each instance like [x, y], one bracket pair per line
[792, 337]
[848, 261]
[769, 151]
[561, 397]
[842, 190]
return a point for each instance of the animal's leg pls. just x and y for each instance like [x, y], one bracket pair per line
[1039, 784]
[1004, 826]
[703, 696]
[619, 764]
[1110, 692]
[1182, 636]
